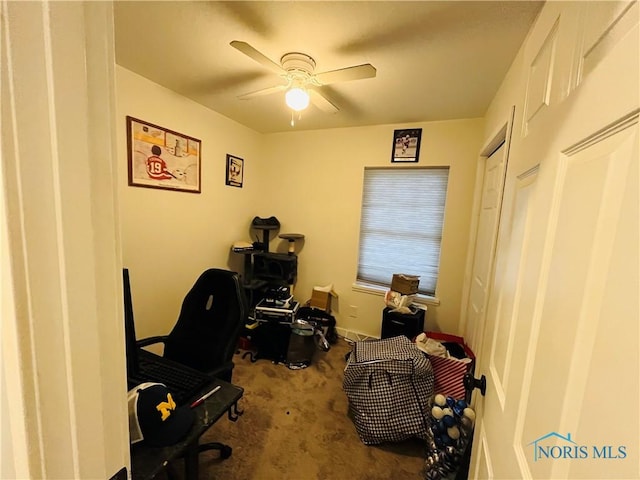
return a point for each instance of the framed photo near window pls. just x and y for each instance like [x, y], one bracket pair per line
[406, 145]
[161, 158]
[235, 171]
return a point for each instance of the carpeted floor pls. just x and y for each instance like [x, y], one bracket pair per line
[295, 426]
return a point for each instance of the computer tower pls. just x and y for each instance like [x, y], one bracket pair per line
[409, 324]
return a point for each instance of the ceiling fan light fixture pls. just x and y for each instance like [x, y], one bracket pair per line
[297, 99]
[298, 70]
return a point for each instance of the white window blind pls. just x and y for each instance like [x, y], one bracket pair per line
[401, 225]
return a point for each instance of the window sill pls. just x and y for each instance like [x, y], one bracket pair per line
[380, 291]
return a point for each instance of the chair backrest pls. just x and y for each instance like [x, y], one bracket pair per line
[206, 334]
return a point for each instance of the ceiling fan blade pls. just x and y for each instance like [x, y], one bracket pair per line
[322, 102]
[251, 52]
[262, 92]
[346, 74]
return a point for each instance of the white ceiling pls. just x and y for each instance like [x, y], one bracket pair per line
[435, 60]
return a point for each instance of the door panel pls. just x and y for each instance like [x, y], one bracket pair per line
[605, 24]
[483, 468]
[588, 194]
[561, 337]
[504, 307]
[540, 81]
[614, 354]
[506, 352]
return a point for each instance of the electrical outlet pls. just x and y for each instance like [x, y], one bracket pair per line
[353, 311]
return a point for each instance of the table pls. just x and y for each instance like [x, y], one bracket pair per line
[147, 461]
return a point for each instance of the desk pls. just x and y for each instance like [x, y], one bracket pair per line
[147, 461]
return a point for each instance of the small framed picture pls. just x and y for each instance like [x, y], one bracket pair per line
[406, 145]
[235, 171]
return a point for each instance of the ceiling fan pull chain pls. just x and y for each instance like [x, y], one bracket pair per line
[293, 120]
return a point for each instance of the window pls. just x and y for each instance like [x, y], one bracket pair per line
[401, 225]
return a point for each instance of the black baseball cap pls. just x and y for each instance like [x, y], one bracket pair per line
[154, 416]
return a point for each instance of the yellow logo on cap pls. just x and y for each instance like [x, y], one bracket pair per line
[166, 407]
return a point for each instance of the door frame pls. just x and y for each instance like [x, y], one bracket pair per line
[63, 381]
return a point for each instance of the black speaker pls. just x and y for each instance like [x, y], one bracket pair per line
[275, 267]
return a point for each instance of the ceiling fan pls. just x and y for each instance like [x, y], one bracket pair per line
[301, 83]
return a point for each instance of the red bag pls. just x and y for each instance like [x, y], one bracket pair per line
[449, 372]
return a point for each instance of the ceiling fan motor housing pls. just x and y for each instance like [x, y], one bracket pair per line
[298, 62]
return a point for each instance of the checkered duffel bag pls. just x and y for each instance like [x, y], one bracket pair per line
[389, 384]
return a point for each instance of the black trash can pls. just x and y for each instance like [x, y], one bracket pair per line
[302, 346]
[408, 324]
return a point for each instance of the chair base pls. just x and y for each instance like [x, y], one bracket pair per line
[225, 450]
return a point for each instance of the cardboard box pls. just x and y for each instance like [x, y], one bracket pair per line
[322, 299]
[405, 284]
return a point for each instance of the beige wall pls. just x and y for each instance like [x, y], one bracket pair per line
[169, 238]
[310, 180]
[318, 177]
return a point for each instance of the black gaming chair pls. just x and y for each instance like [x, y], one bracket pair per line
[206, 335]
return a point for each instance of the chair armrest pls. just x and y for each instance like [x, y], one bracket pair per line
[145, 342]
